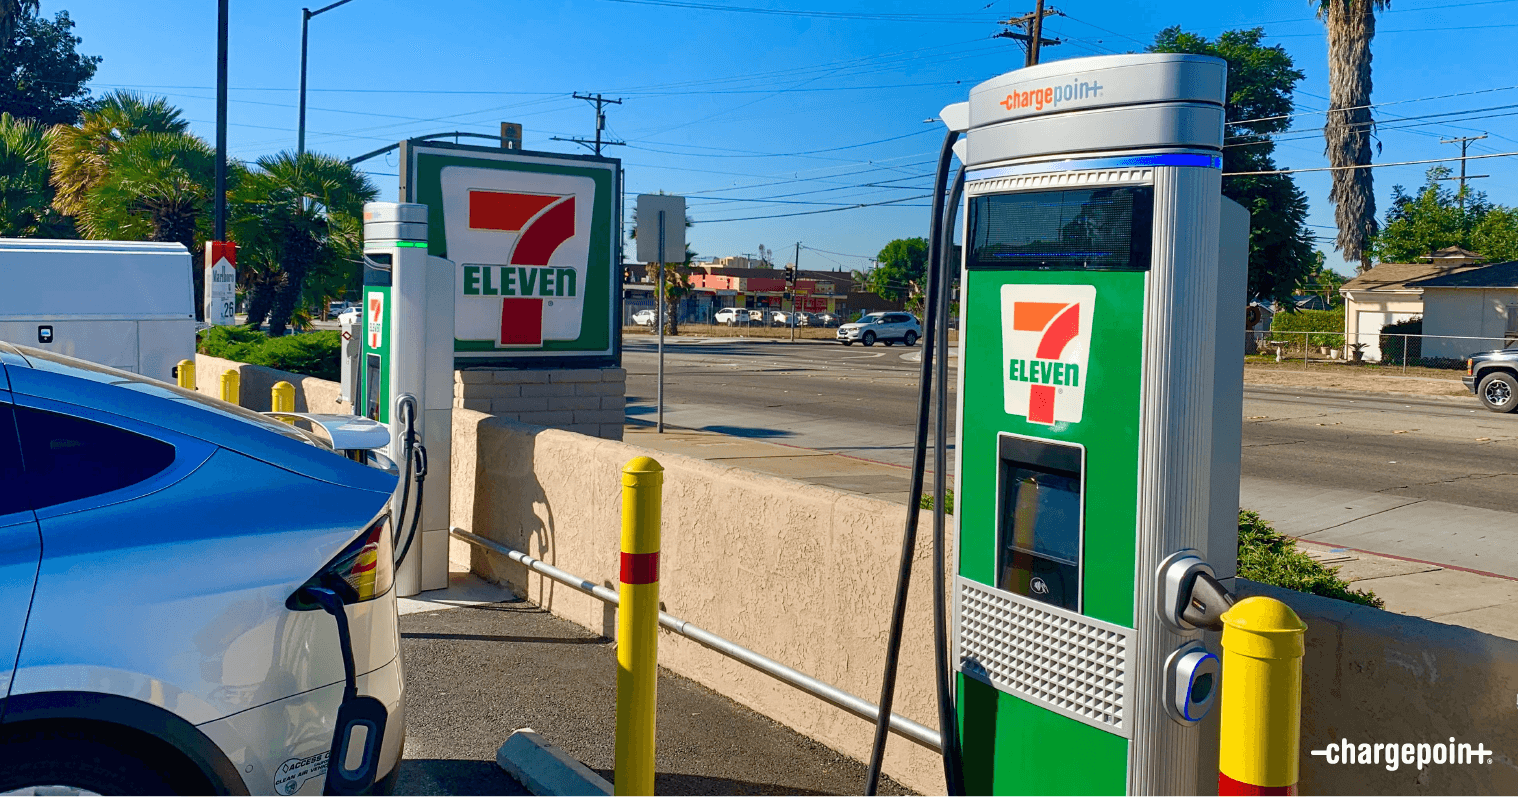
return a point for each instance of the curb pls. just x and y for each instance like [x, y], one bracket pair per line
[545, 769]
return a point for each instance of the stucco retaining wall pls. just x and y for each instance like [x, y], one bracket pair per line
[1373, 676]
[311, 394]
[801, 574]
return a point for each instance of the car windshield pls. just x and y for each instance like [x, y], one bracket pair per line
[873, 318]
[79, 369]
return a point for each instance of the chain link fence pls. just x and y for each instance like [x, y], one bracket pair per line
[1385, 349]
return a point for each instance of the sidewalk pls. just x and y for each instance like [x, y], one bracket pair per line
[481, 663]
[1463, 594]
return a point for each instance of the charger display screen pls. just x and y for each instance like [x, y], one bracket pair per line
[1039, 521]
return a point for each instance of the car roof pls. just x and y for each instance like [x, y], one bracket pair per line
[34, 372]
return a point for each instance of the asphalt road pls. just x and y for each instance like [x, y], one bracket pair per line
[1432, 478]
[814, 394]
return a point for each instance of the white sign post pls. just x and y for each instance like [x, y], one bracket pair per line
[660, 232]
[221, 283]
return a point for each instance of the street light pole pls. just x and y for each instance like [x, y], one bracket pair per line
[305, 23]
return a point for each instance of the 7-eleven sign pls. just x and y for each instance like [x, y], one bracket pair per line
[521, 241]
[374, 318]
[1046, 346]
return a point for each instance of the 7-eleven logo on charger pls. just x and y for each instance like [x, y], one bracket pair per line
[1046, 347]
[375, 314]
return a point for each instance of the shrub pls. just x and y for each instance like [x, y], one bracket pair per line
[1330, 323]
[1392, 346]
[1271, 558]
[312, 354]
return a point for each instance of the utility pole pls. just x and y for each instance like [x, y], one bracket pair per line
[595, 146]
[305, 24]
[1464, 142]
[219, 209]
[790, 287]
[1032, 35]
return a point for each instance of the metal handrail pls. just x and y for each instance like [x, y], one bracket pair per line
[859, 707]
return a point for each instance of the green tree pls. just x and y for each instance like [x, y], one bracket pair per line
[42, 75]
[13, 11]
[25, 197]
[1260, 83]
[1324, 282]
[1351, 25]
[293, 215]
[81, 152]
[156, 187]
[899, 272]
[1434, 218]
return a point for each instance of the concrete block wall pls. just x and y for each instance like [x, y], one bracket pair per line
[590, 401]
[257, 383]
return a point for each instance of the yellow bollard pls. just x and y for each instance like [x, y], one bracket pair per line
[283, 400]
[231, 386]
[1261, 726]
[638, 627]
[186, 374]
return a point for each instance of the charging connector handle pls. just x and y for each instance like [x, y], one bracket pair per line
[1206, 601]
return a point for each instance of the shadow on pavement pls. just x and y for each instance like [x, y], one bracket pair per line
[595, 640]
[451, 776]
[673, 783]
[748, 431]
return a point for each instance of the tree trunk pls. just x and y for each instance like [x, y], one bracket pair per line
[1347, 132]
[299, 251]
[261, 291]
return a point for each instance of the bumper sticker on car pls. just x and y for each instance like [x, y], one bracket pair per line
[296, 771]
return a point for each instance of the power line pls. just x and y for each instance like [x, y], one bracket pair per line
[861, 16]
[1370, 165]
[825, 210]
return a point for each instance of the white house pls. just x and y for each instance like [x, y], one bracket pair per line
[1388, 293]
[1474, 309]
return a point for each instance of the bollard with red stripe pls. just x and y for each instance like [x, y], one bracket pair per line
[638, 626]
[1261, 728]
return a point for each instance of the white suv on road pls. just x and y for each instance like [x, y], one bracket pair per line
[732, 316]
[884, 327]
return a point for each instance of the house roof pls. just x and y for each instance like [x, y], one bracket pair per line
[1396, 276]
[1496, 275]
[1452, 253]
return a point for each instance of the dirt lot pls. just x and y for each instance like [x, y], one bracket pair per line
[1364, 376]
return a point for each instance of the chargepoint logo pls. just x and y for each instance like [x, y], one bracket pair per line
[1052, 96]
[1046, 346]
[522, 242]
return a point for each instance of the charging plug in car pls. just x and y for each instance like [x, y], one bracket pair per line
[353, 763]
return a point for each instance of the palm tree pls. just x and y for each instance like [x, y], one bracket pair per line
[292, 215]
[24, 192]
[1351, 26]
[11, 12]
[156, 187]
[80, 152]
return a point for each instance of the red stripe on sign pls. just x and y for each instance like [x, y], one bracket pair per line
[521, 322]
[1041, 404]
[1229, 786]
[640, 568]
[539, 241]
[498, 210]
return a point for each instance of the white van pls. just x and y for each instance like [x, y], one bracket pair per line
[123, 304]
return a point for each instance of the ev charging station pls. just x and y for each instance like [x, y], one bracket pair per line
[405, 380]
[1102, 286]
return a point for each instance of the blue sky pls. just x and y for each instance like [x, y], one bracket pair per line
[808, 105]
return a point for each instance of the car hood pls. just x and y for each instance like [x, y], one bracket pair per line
[852, 326]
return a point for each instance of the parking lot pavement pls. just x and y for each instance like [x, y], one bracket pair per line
[477, 672]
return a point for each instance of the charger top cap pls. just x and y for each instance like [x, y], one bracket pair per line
[1095, 105]
[394, 221]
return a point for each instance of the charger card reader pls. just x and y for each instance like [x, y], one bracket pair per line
[1040, 520]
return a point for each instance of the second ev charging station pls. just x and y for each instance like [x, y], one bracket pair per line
[1099, 355]
[405, 380]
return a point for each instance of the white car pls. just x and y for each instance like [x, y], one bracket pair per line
[173, 572]
[887, 328]
[732, 316]
[645, 318]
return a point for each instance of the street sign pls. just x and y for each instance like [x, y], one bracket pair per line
[221, 283]
[647, 221]
[533, 239]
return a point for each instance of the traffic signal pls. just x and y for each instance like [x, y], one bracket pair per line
[790, 275]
